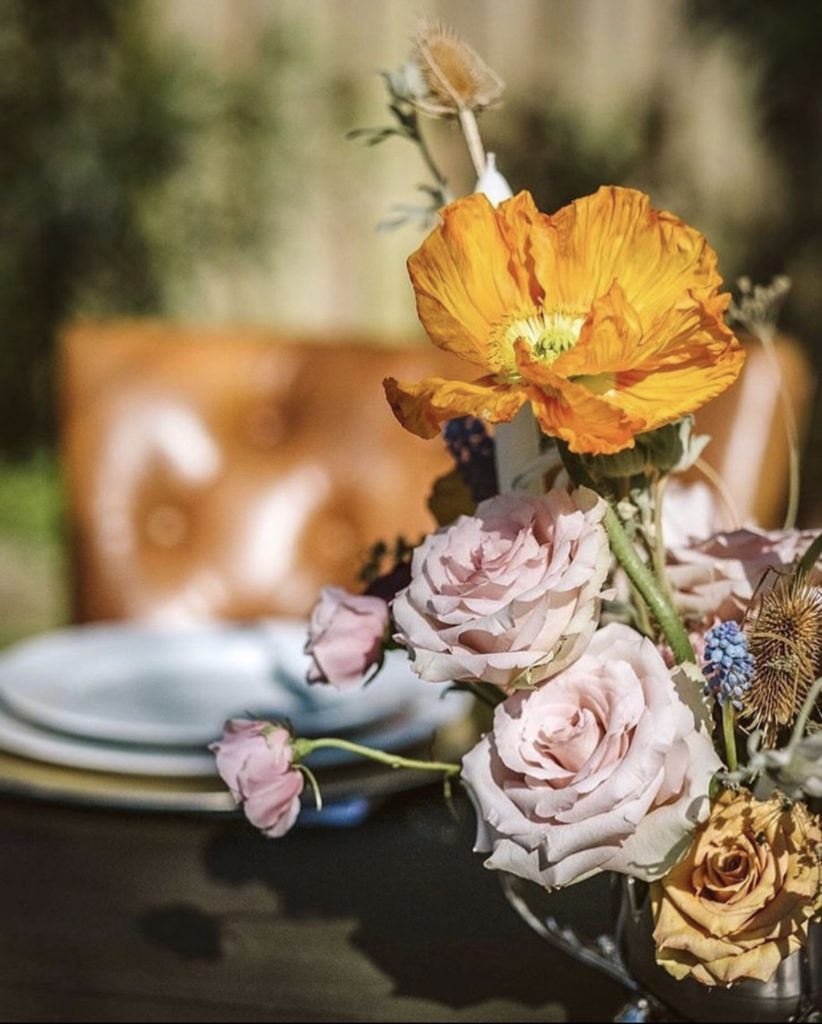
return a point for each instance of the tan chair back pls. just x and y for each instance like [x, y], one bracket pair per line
[749, 446]
[231, 474]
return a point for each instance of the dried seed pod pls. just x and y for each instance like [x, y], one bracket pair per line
[786, 643]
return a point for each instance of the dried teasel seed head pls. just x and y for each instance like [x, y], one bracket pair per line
[786, 644]
[456, 77]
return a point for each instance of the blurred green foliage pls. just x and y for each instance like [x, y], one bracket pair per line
[107, 201]
[31, 500]
[33, 590]
[88, 132]
[110, 204]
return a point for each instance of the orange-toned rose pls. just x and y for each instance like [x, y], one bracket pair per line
[743, 896]
[605, 316]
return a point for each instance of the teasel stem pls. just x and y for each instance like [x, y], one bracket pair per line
[802, 718]
[722, 489]
[729, 735]
[766, 337]
[470, 129]
[649, 589]
[303, 747]
[756, 311]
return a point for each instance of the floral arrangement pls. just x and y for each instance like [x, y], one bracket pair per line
[655, 711]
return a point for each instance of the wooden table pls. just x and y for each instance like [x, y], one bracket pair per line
[109, 916]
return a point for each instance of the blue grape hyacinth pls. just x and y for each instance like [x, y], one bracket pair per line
[728, 664]
[473, 452]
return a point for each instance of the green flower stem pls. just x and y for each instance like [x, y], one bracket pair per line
[728, 724]
[303, 747]
[643, 619]
[802, 718]
[486, 692]
[643, 579]
[658, 551]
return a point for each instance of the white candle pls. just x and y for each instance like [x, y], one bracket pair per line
[517, 442]
[516, 447]
[492, 184]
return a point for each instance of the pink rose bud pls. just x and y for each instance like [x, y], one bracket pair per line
[254, 759]
[345, 637]
[604, 768]
[510, 595]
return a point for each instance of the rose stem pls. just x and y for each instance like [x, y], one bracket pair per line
[643, 579]
[643, 619]
[303, 747]
[728, 723]
[315, 786]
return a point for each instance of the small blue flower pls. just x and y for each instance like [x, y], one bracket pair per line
[727, 664]
[473, 451]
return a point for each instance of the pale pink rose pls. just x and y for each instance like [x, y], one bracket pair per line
[345, 637]
[717, 577]
[602, 768]
[509, 595]
[254, 760]
[690, 511]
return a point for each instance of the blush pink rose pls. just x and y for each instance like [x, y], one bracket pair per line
[717, 577]
[602, 768]
[254, 760]
[345, 637]
[509, 595]
[690, 511]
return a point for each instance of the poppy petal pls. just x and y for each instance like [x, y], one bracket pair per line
[422, 408]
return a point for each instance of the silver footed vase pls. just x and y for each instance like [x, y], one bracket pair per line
[605, 922]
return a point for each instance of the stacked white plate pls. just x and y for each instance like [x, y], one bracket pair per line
[146, 701]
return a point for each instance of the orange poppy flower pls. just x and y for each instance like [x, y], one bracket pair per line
[605, 316]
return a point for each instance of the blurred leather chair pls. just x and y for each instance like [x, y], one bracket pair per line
[231, 474]
[749, 447]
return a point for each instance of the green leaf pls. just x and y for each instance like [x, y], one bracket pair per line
[810, 558]
[451, 498]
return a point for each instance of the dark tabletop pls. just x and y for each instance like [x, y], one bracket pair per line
[112, 916]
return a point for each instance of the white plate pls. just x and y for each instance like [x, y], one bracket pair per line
[143, 684]
[410, 728]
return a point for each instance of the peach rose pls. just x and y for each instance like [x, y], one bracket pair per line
[741, 899]
[507, 596]
[601, 768]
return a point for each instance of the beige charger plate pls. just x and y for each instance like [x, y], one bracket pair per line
[21, 777]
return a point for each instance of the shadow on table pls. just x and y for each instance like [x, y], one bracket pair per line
[428, 915]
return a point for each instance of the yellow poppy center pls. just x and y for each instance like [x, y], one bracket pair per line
[548, 333]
